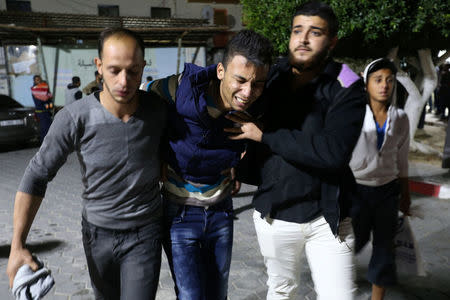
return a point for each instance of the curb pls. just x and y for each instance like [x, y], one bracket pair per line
[430, 189]
[435, 123]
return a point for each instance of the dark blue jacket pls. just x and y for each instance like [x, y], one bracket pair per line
[199, 149]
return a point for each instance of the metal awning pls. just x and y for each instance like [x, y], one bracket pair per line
[51, 28]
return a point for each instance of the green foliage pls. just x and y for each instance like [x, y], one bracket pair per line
[270, 18]
[367, 27]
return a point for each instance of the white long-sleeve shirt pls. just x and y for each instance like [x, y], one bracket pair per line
[375, 167]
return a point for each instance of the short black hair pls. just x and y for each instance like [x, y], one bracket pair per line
[253, 46]
[75, 79]
[320, 9]
[118, 31]
[36, 76]
[149, 78]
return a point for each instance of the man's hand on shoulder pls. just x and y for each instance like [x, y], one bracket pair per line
[17, 258]
[248, 128]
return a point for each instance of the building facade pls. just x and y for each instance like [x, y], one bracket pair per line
[175, 32]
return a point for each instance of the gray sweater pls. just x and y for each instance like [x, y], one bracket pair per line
[119, 162]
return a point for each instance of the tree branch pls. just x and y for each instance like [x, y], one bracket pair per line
[416, 100]
[443, 58]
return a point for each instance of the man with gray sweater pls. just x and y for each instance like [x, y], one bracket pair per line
[116, 134]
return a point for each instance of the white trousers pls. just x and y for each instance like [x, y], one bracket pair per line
[330, 258]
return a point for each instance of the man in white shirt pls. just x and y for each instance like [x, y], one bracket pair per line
[73, 91]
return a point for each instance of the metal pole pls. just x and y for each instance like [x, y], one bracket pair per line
[41, 54]
[8, 83]
[178, 55]
[55, 73]
[195, 54]
[179, 50]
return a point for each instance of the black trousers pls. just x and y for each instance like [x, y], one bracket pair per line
[377, 213]
[123, 264]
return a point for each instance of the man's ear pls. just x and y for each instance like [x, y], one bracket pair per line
[98, 63]
[220, 71]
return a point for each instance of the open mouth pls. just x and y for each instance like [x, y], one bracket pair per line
[241, 101]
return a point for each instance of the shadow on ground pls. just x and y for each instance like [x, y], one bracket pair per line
[15, 147]
[242, 209]
[37, 248]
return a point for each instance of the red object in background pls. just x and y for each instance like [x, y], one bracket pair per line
[424, 188]
[41, 91]
[221, 39]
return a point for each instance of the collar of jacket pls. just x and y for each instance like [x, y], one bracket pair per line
[331, 69]
[200, 76]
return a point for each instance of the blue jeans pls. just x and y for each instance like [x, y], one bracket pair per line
[199, 249]
[123, 264]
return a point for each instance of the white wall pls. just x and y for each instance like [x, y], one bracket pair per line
[163, 60]
[179, 8]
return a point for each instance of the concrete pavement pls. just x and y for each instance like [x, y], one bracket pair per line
[56, 238]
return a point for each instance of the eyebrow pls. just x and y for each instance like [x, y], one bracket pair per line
[245, 79]
[116, 66]
[312, 27]
[380, 75]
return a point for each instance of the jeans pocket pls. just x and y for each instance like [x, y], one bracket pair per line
[177, 219]
[173, 212]
[88, 235]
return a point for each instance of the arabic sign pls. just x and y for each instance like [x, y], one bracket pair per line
[74, 62]
[82, 64]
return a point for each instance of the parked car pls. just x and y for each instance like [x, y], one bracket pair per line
[18, 124]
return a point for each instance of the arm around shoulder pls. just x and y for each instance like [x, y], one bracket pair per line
[330, 148]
